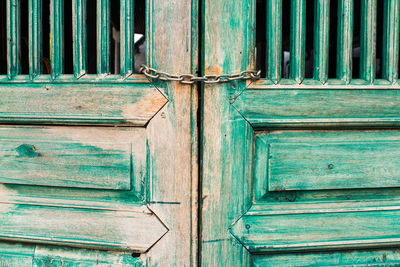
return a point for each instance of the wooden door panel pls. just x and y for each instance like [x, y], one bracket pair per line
[93, 157]
[300, 167]
[77, 227]
[72, 103]
[75, 157]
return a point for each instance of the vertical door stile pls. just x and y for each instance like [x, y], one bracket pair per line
[297, 40]
[56, 38]
[390, 51]
[13, 38]
[345, 40]
[321, 40]
[274, 40]
[127, 42]
[79, 37]
[35, 37]
[103, 37]
[368, 40]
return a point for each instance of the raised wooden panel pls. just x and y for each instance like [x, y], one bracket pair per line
[288, 107]
[350, 160]
[134, 230]
[131, 104]
[74, 157]
[266, 231]
[65, 164]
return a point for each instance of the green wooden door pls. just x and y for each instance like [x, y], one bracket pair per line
[301, 168]
[98, 164]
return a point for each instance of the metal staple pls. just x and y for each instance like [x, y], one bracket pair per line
[191, 79]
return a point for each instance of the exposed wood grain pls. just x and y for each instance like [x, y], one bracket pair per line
[173, 147]
[56, 38]
[297, 39]
[65, 164]
[79, 37]
[274, 40]
[226, 137]
[368, 40]
[83, 103]
[106, 229]
[13, 38]
[321, 40]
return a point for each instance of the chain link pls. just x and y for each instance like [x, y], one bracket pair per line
[191, 79]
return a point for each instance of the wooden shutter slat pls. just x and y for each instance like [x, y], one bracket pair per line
[390, 51]
[297, 39]
[13, 38]
[274, 40]
[79, 37]
[368, 40]
[56, 37]
[127, 34]
[103, 37]
[345, 40]
[321, 40]
[35, 37]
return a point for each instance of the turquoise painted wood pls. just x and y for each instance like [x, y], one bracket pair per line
[86, 172]
[301, 171]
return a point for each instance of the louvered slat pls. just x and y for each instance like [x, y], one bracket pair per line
[79, 37]
[127, 33]
[390, 51]
[368, 40]
[321, 40]
[35, 37]
[274, 40]
[56, 37]
[297, 39]
[13, 38]
[344, 40]
[103, 37]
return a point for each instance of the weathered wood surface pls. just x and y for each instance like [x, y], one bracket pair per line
[261, 232]
[317, 160]
[383, 257]
[32, 155]
[101, 228]
[336, 106]
[86, 157]
[133, 104]
[226, 137]
[15, 254]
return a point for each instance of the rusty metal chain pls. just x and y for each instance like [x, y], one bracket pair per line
[191, 79]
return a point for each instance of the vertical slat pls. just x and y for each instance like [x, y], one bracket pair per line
[344, 40]
[274, 39]
[35, 37]
[13, 38]
[390, 49]
[79, 37]
[127, 34]
[103, 37]
[56, 37]
[321, 40]
[368, 40]
[297, 39]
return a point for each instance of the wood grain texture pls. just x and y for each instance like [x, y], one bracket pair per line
[382, 257]
[318, 230]
[68, 164]
[172, 133]
[79, 104]
[226, 137]
[318, 160]
[16, 254]
[106, 229]
[289, 107]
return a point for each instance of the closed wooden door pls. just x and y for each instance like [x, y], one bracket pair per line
[98, 165]
[301, 167]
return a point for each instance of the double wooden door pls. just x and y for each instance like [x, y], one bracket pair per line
[105, 167]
